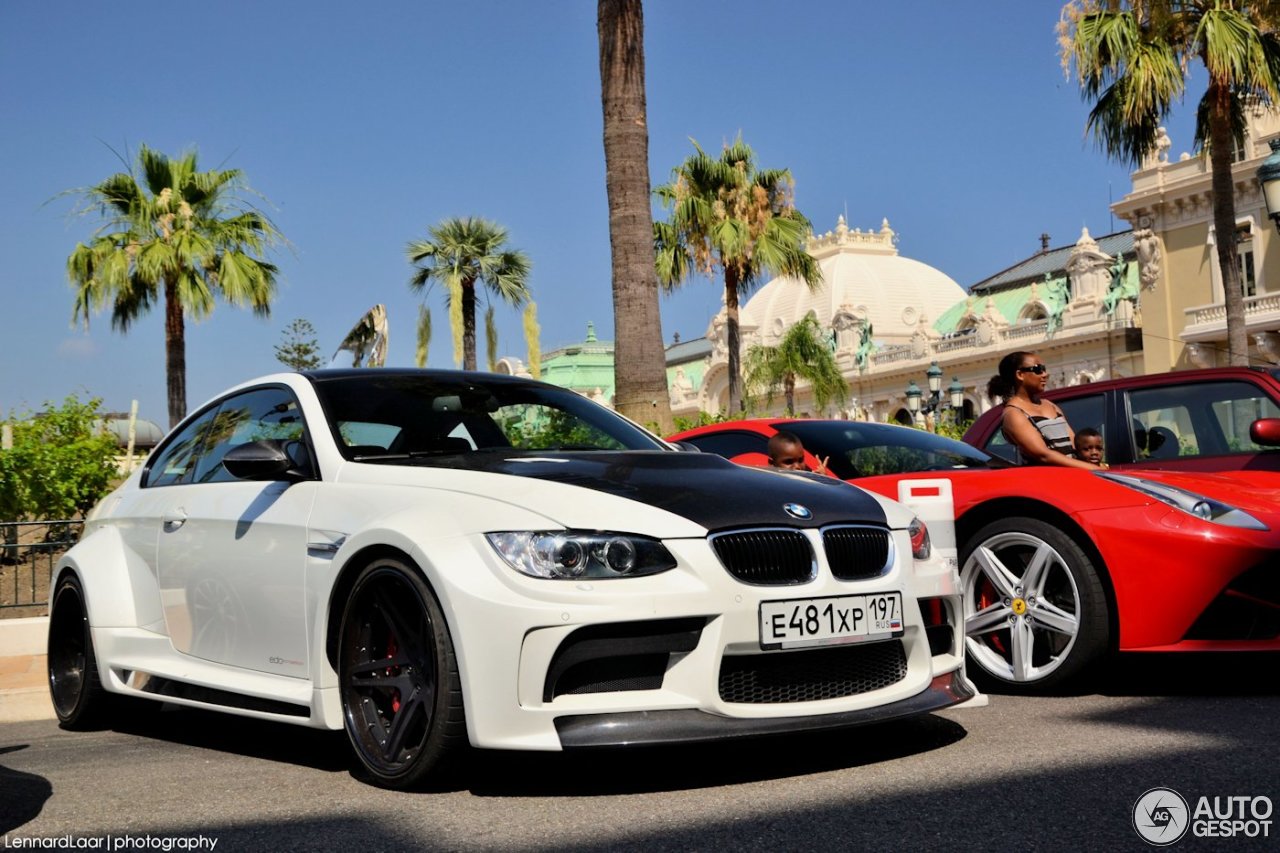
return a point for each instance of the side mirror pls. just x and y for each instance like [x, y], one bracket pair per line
[1265, 431]
[265, 460]
[685, 446]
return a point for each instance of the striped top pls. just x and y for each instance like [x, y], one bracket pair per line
[1055, 431]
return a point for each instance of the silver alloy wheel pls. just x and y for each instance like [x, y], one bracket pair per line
[1021, 607]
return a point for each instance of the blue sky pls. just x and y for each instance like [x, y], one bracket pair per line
[364, 124]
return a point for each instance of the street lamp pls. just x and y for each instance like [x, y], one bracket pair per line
[917, 404]
[1269, 177]
[913, 399]
[935, 381]
[956, 390]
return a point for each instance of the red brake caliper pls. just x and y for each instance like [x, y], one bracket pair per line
[986, 597]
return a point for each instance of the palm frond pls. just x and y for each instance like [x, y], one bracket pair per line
[424, 336]
[1237, 118]
[671, 255]
[532, 339]
[455, 316]
[491, 338]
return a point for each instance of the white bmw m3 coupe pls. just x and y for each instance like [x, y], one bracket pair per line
[431, 559]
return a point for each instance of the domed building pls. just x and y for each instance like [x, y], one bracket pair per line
[871, 298]
[896, 324]
[864, 280]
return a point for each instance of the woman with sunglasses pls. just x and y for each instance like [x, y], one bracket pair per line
[1036, 428]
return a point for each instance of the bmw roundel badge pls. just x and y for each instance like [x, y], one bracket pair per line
[797, 511]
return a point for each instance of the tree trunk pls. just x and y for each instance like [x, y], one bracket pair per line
[468, 326]
[639, 361]
[731, 330]
[1224, 221]
[789, 388]
[175, 354]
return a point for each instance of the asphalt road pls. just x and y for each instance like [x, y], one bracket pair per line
[1059, 773]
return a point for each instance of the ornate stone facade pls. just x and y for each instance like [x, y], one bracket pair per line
[1171, 210]
[1138, 301]
[1053, 302]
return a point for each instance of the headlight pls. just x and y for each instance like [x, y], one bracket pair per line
[1189, 502]
[573, 554]
[921, 548]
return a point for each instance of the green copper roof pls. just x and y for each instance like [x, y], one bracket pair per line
[1053, 262]
[1010, 290]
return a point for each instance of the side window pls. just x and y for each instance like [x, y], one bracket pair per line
[176, 463]
[731, 444]
[1080, 412]
[267, 413]
[999, 446]
[1087, 412]
[1198, 419]
[1083, 412]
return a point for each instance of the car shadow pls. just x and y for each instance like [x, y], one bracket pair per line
[1171, 674]
[504, 773]
[22, 795]
[271, 741]
[640, 770]
[1190, 674]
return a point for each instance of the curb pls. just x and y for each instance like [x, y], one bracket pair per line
[24, 694]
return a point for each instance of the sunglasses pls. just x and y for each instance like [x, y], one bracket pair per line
[1037, 369]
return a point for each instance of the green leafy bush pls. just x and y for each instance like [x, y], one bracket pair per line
[60, 465]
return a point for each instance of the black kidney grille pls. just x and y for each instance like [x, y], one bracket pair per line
[812, 675]
[766, 556]
[856, 553]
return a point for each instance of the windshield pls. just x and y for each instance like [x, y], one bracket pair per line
[858, 449]
[409, 415]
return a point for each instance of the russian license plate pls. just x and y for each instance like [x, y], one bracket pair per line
[829, 621]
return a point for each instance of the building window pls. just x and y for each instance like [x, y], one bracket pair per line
[1244, 251]
[1239, 149]
[1250, 261]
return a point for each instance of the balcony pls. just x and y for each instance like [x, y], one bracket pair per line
[1209, 322]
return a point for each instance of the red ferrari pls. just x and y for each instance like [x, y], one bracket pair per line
[1061, 566]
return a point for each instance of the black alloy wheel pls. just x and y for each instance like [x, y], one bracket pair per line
[79, 699]
[401, 694]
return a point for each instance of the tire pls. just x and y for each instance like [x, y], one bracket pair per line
[1036, 614]
[79, 699]
[401, 694]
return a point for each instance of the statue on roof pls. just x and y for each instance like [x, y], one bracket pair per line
[866, 346]
[1055, 298]
[681, 387]
[1121, 288]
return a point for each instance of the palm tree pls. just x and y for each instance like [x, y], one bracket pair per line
[803, 353]
[171, 229]
[1130, 59]
[640, 374]
[728, 215]
[463, 253]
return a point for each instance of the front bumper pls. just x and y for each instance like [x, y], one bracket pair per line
[646, 728]
[512, 634]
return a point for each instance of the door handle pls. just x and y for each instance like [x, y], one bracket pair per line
[173, 519]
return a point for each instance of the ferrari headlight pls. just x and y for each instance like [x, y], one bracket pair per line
[1189, 502]
[573, 554]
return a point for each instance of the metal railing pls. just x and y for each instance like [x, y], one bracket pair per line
[28, 552]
